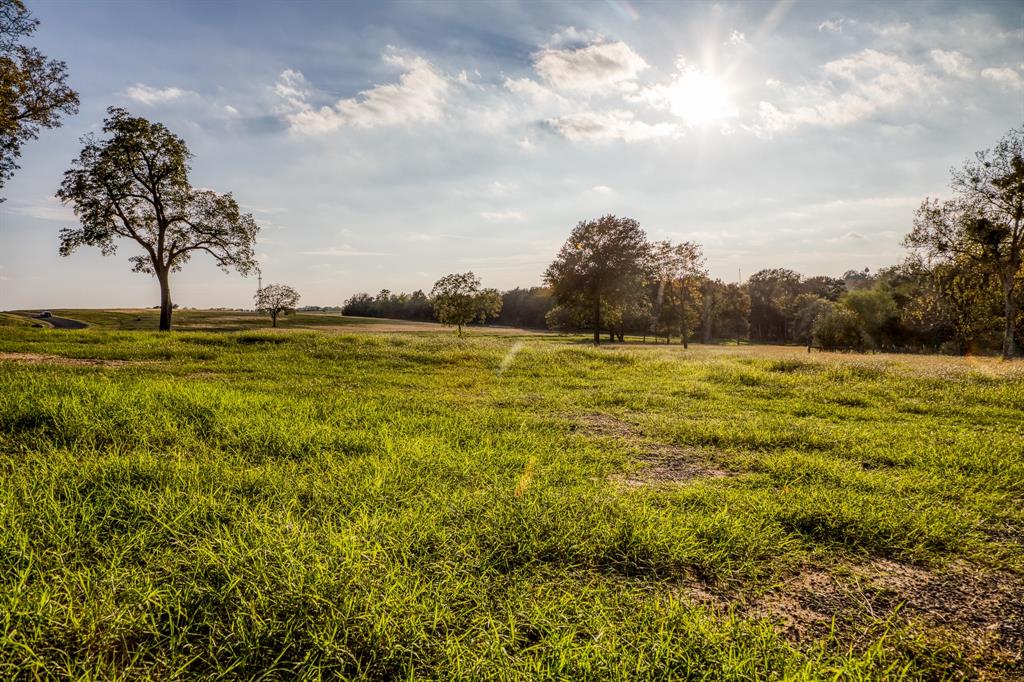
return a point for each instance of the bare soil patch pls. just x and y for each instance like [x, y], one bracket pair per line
[979, 611]
[43, 359]
[664, 463]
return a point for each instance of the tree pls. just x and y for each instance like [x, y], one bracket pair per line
[133, 184]
[275, 299]
[984, 221]
[772, 293]
[458, 300]
[807, 309]
[33, 89]
[598, 266]
[679, 269]
[839, 329]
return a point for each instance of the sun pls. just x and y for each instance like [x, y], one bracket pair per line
[700, 98]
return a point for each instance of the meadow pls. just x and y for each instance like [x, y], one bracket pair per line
[324, 504]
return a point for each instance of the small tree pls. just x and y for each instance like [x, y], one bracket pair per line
[134, 185]
[599, 266]
[33, 89]
[458, 300]
[839, 329]
[276, 299]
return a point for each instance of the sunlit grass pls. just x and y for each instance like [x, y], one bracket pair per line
[282, 504]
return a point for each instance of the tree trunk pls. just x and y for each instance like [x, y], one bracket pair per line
[684, 331]
[1010, 309]
[163, 276]
[273, 319]
[597, 320]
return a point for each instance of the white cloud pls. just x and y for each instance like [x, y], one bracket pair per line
[737, 39]
[853, 88]
[230, 110]
[417, 97]
[574, 36]
[531, 89]
[611, 125]
[502, 216]
[832, 25]
[1003, 75]
[590, 69]
[601, 189]
[145, 94]
[952, 62]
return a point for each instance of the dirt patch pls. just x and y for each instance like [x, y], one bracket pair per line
[42, 359]
[978, 611]
[664, 463]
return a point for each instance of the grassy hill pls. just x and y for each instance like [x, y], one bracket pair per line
[391, 506]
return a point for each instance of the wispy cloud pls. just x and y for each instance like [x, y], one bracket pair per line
[150, 96]
[590, 69]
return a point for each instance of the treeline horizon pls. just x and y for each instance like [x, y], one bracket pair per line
[908, 307]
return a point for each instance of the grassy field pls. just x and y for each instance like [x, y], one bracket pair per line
[387, 506]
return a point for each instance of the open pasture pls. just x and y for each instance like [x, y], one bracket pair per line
[503, 507]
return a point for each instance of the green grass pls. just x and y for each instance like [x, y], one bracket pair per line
[9, 320]
[392, 506]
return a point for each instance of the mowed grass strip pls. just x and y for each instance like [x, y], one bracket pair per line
[382, 506]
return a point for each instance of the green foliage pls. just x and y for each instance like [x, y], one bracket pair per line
[34, 93]
[458, 300]
[270, 504]
[840, 328]
[275, 299]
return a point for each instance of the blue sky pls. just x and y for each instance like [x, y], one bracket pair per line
[387, 144]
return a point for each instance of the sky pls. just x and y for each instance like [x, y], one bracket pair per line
[384, 145]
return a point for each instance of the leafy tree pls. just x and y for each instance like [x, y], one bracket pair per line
[599, 266]
[878, 313]
[807, 308]
[984, 221]
[34, 93]
[839, 329]
[822, 286]
[772, 293]
[133, 184]
[679, 270]
[458, 300]
[276, 299]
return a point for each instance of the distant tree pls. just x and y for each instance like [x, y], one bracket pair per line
[878, 314]
[807, 309]
[34, 93]
[839, 329]
[822, 286]
[857, 279]
[678, 269]
[772, 293]
[458, 300]
[276, 299]
[598, 266]
[133, 184]
[984, 221]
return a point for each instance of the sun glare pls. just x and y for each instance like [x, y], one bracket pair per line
[700, 98]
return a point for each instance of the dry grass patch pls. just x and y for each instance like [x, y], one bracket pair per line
[44, 359]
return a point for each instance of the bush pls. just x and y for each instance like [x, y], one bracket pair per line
[840, 329]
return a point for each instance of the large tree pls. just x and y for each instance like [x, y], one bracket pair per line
[34, 93]
[276, 299]
[133, 184]
[599, 265]
[984, 221]
[458, 300]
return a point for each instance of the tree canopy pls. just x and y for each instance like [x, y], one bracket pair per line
[599, 264]
[983, 222]
[458, 300]
[132, 184]
[34, 93]
[276, 299]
